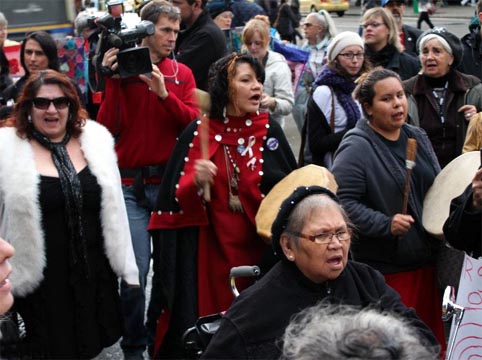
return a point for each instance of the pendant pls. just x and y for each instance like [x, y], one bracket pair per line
[235, 204]
[234, 182]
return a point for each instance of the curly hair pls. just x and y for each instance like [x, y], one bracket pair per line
[77, 114]
[220, 75]
[330, 332]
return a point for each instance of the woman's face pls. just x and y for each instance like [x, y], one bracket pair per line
[34, 57]
[375, 33]
[388, 111]
[6, 298]
[256, 47]
[436, 61]
[51, 121]
[320, 263]
[313, 29]
[353, 65]
[247, 91]
[224, 20]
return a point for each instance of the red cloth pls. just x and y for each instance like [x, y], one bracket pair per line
[226, 238]
[147, 127]
[193, 211]
[419, 289]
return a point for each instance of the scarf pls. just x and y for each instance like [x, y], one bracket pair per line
[72, 192]
[382, 57]
[343, 88]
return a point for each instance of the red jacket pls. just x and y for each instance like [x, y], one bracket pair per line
[145, 127]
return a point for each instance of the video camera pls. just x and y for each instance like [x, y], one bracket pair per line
[131, 60]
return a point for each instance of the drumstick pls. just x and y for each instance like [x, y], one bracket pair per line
[204, 138]
[409, 164]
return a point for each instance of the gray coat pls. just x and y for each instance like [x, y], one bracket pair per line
[371, 188]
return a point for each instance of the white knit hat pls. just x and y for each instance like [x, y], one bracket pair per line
[341, 41]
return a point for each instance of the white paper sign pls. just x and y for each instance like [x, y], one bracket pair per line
[468, 343]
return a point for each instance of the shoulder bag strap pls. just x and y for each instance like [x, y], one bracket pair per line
[332, 116]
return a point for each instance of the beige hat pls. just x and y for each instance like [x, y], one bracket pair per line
[308, 175]
[341, 41]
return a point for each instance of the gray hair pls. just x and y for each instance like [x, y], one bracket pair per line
[334, 332]
[325, 19]
[296, 220]
[3, 19]
[440, 39]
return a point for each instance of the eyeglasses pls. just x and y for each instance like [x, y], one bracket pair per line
[326, 238]
[308, 24]
[351, 56]
[373, 24]
[60, 103]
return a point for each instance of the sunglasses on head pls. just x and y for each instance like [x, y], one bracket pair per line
[44, 103]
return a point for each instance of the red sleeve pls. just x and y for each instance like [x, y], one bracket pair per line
[181, 100]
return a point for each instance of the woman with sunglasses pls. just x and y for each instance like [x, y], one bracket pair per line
[331, 110]
[312, 236]
[318, 29]
[61, 207]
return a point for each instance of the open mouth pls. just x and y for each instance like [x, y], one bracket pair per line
[256, 97]
[335, 261]
[5, 285]
[399, 115]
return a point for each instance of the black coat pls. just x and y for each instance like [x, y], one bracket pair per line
[287, 21]
[472, 60]
[257, 319]
[199, 46]
[462, 229]
[411, 35]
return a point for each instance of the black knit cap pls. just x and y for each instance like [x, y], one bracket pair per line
[287, 207]
[453, 41]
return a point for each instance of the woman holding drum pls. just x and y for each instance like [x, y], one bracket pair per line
[370, 168]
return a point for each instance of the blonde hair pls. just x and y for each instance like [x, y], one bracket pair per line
[259, 24]
[389, 21]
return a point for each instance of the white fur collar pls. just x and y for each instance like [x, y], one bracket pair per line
[20, 215]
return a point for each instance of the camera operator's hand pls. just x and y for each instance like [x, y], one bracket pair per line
[156, 82]
[110, 60]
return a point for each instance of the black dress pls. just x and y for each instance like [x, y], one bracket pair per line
[70, 315]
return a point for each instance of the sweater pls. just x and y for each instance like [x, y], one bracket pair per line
[144, 126]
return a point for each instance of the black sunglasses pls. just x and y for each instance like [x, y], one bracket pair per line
[60, 103]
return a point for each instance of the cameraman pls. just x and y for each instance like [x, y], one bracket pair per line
[146, 114]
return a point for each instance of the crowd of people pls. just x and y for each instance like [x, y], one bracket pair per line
[175, 165]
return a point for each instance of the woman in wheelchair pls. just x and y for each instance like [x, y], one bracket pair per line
[312, 235]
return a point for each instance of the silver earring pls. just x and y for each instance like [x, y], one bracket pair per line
[226, 120]
[29, 119]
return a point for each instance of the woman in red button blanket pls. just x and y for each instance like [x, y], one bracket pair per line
[198, 241]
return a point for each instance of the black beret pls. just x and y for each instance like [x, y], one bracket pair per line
[287, 207]
[453, 41]
[216, 7]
